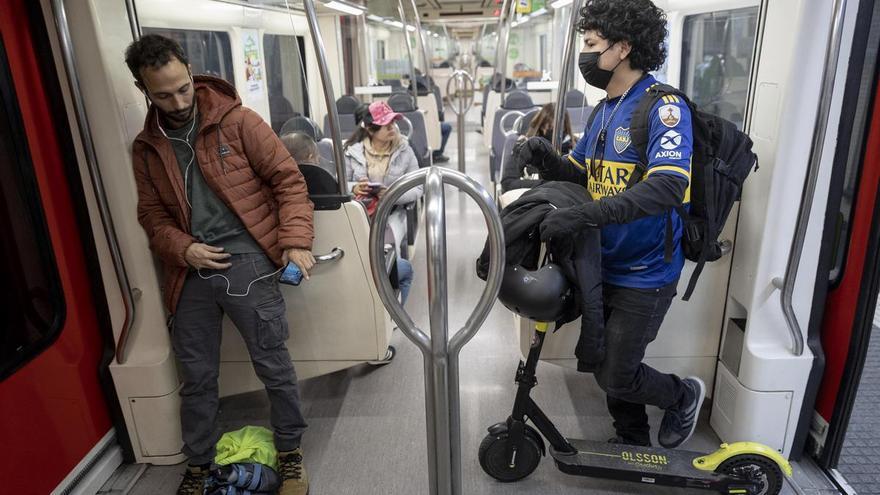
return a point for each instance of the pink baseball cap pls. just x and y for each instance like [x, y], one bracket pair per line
[381, 114]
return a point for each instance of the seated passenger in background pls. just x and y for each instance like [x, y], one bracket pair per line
[519, 175]
[304, 151]
[375, 156]
[438, 155]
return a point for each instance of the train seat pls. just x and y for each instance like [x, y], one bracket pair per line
[345, 106]
[418, 137]
[340, 295]
[517, 103]
[578, 110]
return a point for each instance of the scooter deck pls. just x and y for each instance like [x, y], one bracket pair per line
[641, 465]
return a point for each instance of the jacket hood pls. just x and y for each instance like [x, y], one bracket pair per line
[215, 98]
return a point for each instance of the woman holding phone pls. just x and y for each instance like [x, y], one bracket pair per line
[376, 155]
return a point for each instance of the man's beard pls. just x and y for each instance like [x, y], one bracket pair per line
[182, 116]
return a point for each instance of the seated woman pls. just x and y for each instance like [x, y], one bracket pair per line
[518, 175]
[375, 156]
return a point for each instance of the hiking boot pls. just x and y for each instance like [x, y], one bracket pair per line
[617, 439]
[193, 480]
[680, 420]
[295, 481]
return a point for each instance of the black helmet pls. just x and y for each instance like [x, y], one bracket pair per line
[541, 295]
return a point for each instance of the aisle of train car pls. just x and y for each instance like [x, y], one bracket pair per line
[367, 424]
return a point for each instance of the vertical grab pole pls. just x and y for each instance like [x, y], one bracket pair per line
[442, 403]
[438, 384]
[329, 98]
[464, 84]
[565, 75]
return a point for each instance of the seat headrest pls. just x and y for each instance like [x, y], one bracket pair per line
[526, 121]
[347, 104]
[517, 100]
[304, 125]
[318, 180]
[401, 102]
[574, 98]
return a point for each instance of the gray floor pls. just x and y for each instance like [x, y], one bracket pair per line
[367, 424]
[858, 460]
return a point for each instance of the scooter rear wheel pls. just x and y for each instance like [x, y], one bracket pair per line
[495, 462]
[755, 468]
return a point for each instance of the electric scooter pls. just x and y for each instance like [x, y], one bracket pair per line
[512, 450]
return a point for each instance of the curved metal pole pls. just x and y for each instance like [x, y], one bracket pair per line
[133, 19]
[329, 98]
[832, 53]
[424, 41]
[565, 76]
[507, 29]
[442, 402]
[461, 77]
[82, 121]
[413, 85]
[499, 31]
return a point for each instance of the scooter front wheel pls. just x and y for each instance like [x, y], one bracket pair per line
[497, 463]
[755, 468]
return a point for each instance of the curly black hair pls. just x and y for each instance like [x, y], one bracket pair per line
[639, 22]
[152, 50]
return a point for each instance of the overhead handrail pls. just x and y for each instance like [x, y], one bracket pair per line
[442, 404]
[832, 54]
[565, 76]
[464, 86]
[128, 293]
[329, 98]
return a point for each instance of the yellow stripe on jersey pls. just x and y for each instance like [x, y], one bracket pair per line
[576, 163]
[611, 179]
[671, 168]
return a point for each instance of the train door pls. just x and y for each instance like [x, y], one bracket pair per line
[843, 430]
[55, 413]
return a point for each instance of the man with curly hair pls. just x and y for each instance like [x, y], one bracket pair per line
[623, 42]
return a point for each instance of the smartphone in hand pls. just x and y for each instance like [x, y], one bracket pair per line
[375, 187]
[291, 275]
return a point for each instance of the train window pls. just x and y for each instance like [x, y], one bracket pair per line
[717, 53]
[32, 306]
[285, 68]
[209, 52]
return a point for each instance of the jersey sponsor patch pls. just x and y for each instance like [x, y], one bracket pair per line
[668, 155]
[670, 140]
[670, 115]
[622, 139]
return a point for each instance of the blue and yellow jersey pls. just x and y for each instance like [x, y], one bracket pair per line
[632, 253]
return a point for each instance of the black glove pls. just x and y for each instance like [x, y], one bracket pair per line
[534, 151]
[566, 222]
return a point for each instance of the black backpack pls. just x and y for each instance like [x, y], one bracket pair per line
[722, 160]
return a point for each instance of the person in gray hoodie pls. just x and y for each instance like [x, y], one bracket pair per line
[376, 155]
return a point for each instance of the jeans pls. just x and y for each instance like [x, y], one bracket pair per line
[445, 131]
[404, 278]
[632, 319]
[260, 319]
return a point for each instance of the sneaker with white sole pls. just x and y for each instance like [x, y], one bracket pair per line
[680, 420]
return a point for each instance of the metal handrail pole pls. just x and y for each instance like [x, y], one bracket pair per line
[329, 98]
[442, 401]
[507, 29]
[413, 86]
[424, 40]
[832, 54]
[131, 9]
[564, 76]
[82, 121]
[460, 88]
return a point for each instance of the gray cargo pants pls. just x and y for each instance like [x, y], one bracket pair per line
[260, 319]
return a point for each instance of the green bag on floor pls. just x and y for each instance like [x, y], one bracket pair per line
[249, 444]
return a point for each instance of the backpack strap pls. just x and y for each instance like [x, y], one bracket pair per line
[711, 232]
[594, 114]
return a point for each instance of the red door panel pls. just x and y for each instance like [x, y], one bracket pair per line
[52, 408]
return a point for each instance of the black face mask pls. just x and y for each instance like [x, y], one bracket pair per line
[588, 63]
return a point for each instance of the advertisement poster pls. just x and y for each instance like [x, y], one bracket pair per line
[523, 6]
[253, 62]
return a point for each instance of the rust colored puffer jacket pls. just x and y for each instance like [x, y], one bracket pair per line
[243, 162]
